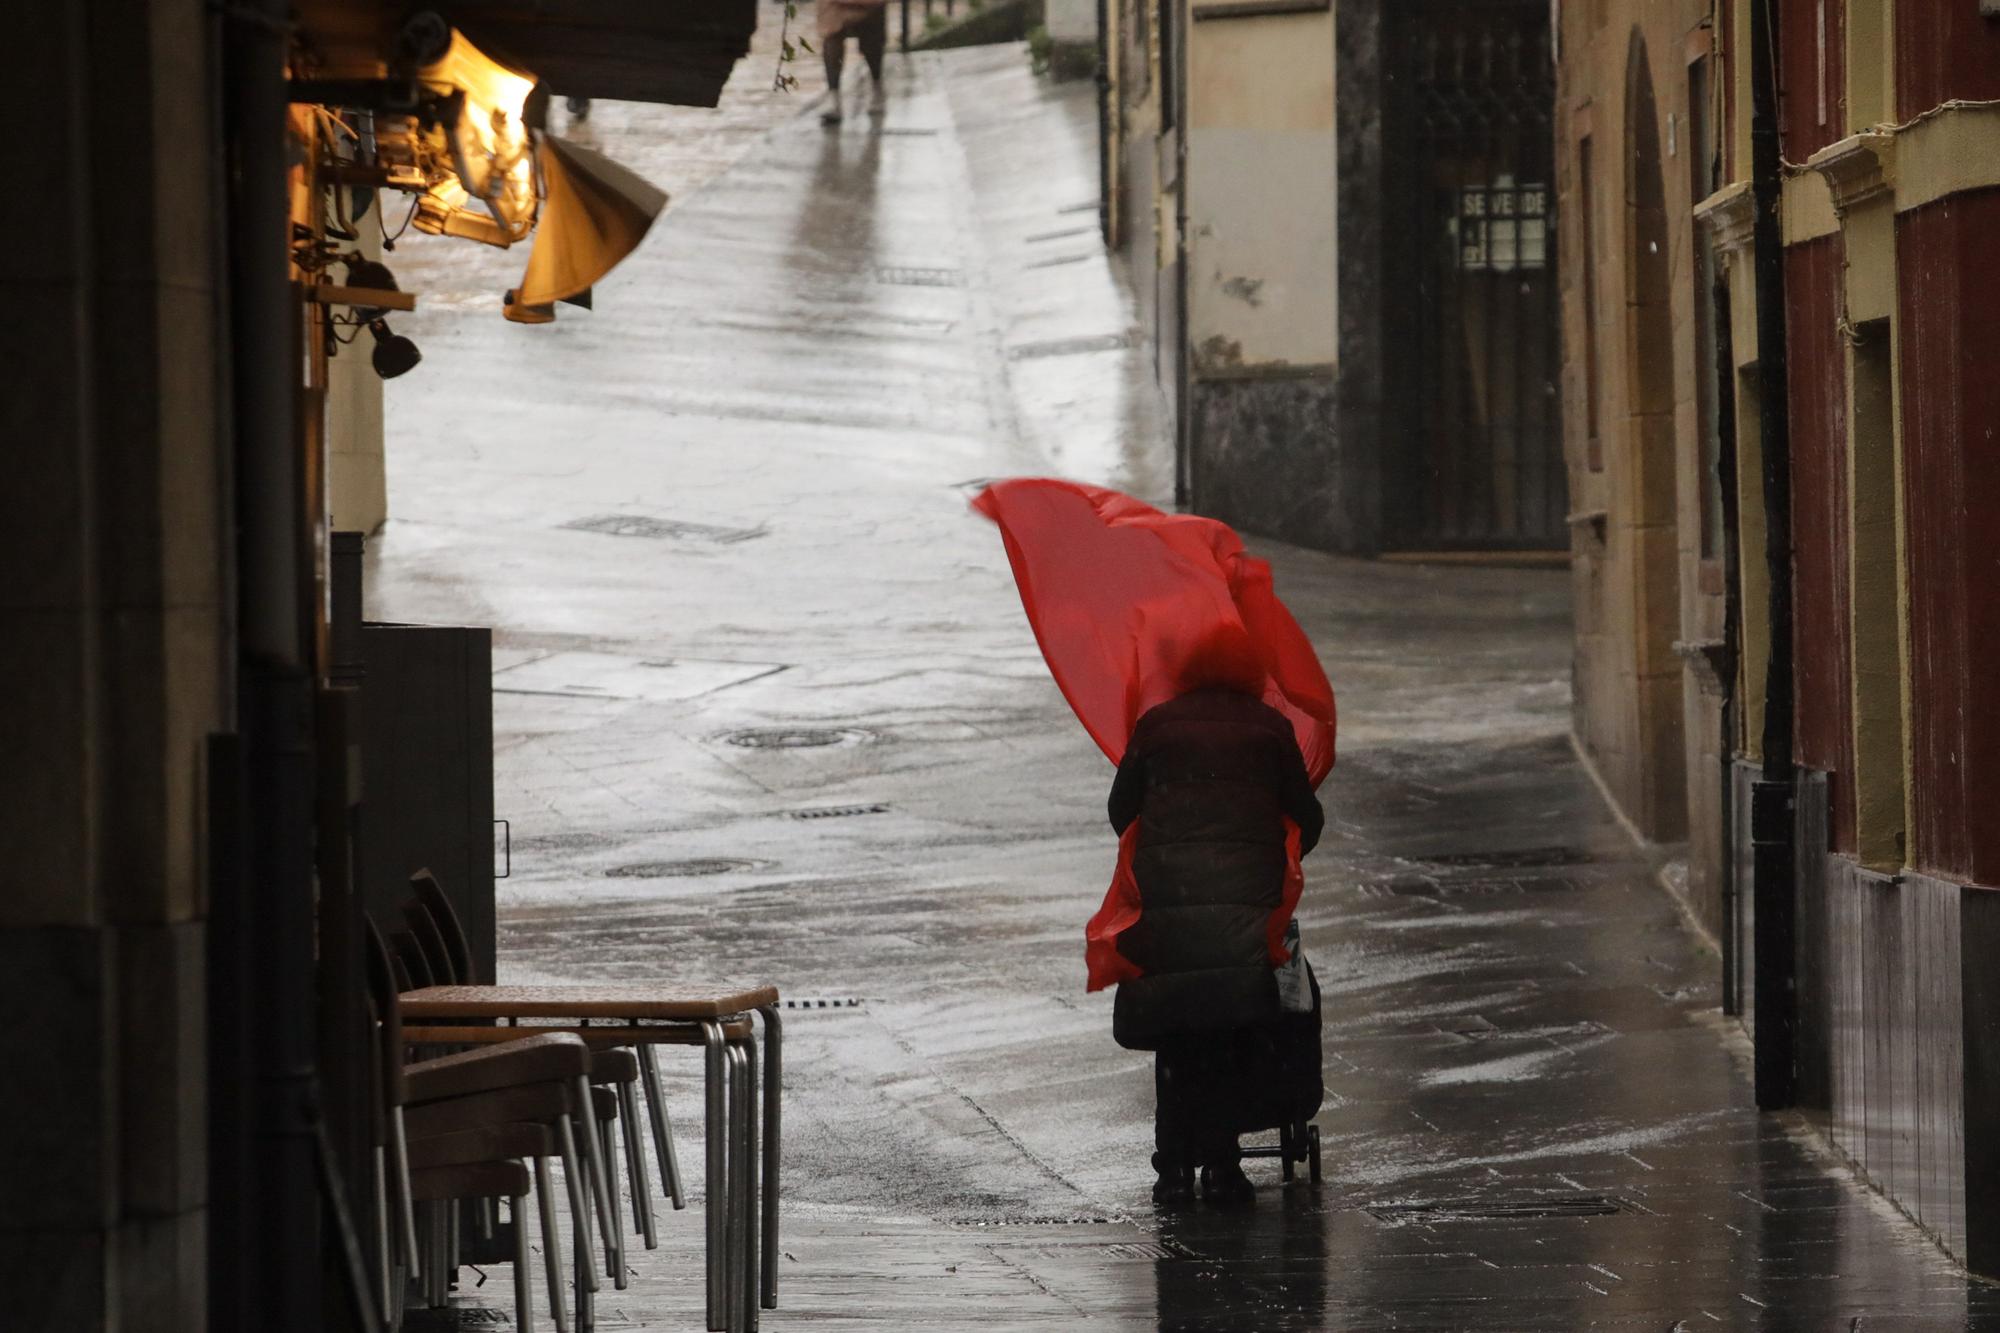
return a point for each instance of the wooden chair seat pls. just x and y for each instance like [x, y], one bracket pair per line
[489, 1143]
[545, 1058]
[470, 1180]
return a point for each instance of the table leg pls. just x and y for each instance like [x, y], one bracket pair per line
[753, 1236]
[716, 1186]
[774, 1093]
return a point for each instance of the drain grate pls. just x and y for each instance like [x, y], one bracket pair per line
[1510, 860]
[693, 868]
[906, 132]
[840, 811]
[1103, 342]
[846, 1002]
[662, 529]
[456, 1317]
[909, 275]
[797, 738]
[1542, 1207]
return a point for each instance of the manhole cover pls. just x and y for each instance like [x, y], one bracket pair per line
[662, 529]
[797, 738]
[1535, 1208]
[908, 275]
[693, 868]
[840, 811]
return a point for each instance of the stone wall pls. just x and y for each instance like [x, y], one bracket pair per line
[113, 663]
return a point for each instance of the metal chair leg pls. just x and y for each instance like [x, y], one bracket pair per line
[386, 1267]
[600, 1178]
[399, 1147]
[715, 1187]
[774, 1094]
[524, 1303]
[635, 1164]
[663, 1129]
[579, 1207]
[616, 1259]
[551, 1246]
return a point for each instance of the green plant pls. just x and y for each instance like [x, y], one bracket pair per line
[1041, 49]
[784, 80]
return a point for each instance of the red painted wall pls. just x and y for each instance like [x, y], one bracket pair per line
[1944, 49]
[1950, 406]
[1800, 68]
[1817, 369]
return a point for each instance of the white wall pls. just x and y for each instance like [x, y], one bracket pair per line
[1260, 192]
[1071, 21]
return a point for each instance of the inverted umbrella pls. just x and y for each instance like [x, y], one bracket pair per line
[596, 212]
[1133, 607]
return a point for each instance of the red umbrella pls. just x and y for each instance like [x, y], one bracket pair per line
[1133, 607]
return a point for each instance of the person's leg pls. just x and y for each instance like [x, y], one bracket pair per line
[1172, 1161]
[874, 39]
[834, 53]
[1214, 1087]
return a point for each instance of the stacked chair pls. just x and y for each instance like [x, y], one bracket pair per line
[481, 1122]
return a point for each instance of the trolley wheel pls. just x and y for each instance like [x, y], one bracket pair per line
[1312, 1153]
[1287, 1152]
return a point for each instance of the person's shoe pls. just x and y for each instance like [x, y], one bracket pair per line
[877, 97]
[1226, 1185]
[579, 108]
[1174, 1187]
[831, 116]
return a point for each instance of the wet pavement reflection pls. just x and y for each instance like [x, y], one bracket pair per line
[731, 500]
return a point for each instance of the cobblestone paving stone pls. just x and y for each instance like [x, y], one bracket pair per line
[1535, 1117]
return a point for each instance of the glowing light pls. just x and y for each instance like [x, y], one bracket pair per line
[489, 145]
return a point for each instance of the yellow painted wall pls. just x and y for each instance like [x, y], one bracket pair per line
[1260, 192]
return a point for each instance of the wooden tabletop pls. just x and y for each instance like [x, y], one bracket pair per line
[648, 1000]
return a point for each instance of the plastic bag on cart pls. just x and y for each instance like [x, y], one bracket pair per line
[1294, 975]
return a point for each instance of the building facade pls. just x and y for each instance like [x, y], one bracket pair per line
[1874, 997]
[1339, 220]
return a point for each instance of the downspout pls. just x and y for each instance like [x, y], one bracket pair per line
[1772, 828]
[1103, 77]
[1732, 633]
[1184, 497]
[267, 1237]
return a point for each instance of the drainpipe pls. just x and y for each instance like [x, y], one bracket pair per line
[1103, 79]
[266, 1204]
[1772, 801]
[1732, 634]
[1177, 89]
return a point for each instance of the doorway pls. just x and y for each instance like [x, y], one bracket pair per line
[1472, 445]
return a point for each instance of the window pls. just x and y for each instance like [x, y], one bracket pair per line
[1873, 590]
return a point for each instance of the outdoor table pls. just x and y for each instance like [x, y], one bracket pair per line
[677, 1003]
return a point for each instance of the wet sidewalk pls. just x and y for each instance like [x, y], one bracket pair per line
[767, 705]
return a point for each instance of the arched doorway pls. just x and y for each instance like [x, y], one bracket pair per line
[1649, 501]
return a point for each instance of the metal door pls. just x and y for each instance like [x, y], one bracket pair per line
[1473, 445]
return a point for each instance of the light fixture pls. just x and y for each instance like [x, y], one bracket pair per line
[394, 354]
[480, 148]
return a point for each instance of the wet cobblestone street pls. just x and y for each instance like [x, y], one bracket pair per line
[766, 706]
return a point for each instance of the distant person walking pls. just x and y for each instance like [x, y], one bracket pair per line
[867, 21]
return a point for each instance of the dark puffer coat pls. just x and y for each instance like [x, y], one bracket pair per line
[1210, 776]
